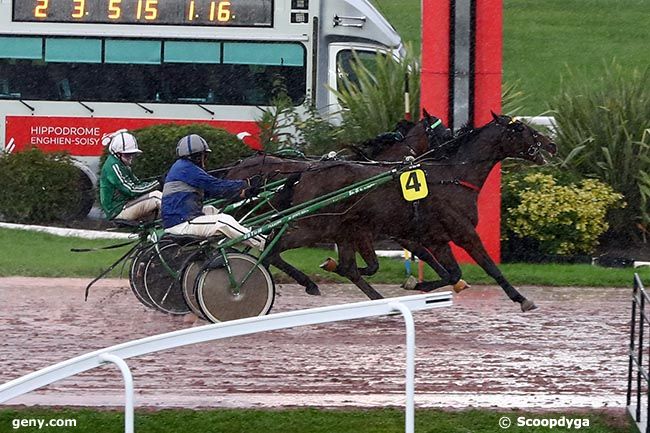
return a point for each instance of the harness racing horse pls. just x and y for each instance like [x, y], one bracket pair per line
[448, 213]
[416, 139]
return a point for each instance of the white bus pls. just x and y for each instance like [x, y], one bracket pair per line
[73, 70]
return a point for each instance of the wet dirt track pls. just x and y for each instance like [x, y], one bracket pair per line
[481, 352]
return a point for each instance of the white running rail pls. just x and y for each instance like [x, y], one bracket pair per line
[117, 354]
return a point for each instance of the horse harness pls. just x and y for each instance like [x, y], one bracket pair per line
[518, 126]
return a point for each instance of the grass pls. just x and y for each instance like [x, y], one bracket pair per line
[307, 420]
[24, 253]
[541, 38]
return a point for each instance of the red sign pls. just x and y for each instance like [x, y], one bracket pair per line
[81, 136]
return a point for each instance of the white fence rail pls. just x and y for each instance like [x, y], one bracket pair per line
[117, 354]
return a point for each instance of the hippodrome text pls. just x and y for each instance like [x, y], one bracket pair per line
[65, 135]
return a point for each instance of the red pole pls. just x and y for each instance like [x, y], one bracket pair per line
[487, 97]
[435, 92]
[435, 58]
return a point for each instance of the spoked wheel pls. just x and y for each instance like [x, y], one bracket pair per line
[188, 286]
[161, 278]
[136, 276]
[221, 302]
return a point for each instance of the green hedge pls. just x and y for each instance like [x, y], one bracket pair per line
[158, 144]
[39, 187]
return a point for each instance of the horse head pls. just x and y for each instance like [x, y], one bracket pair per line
[520, 140]
[436, 131]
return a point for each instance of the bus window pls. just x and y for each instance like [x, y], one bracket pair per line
[73, 50]
[346, 58]
[129, 70]
[248, 74]
[276, 54]
[187, 69]
[16, 57]
[192, 52]
[21, 48]
[126, 51]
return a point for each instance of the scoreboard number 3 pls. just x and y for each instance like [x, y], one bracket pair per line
[414, 185]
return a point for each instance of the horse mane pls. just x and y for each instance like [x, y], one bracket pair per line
[369, 149]
[463, 135]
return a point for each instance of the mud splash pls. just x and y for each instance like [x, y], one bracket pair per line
[483, 352]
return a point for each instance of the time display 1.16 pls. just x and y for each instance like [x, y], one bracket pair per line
[243, 13]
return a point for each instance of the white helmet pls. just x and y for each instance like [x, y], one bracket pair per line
[191, 144]
[121, 142]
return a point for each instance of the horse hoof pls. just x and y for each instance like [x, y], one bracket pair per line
[460, 286]
[527, 305]
[312, 290]
[329, 265]
[410, 283]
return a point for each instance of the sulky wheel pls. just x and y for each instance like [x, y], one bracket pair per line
[188, 286]
[161, 278]
[220, 302]
[136, 276]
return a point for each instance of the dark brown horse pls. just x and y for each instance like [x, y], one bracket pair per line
[448, 213]
[415, 140]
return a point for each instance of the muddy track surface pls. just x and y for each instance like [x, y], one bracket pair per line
[482, 352]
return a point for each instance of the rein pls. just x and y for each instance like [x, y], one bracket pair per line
[459, 182]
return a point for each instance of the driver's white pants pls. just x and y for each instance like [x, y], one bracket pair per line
[213, 223]
[141, 207]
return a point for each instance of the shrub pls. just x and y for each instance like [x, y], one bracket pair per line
[562, 219]
[158, 144]
[38, 187]
[603, 132]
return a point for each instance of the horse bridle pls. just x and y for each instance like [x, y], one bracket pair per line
[516, 126]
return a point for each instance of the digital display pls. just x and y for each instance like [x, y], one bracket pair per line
[234, 13]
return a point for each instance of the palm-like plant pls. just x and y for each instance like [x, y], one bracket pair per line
[372, 98]
[605, 134]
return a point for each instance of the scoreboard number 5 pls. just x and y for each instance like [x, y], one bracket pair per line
[414, 185]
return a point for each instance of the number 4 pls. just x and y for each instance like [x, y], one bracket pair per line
[412, 182]
[414, 185]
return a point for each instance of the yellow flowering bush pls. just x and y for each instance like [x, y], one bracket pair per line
[564, 219]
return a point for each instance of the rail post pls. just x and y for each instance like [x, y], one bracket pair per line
[635, 358]
[409, 423]
[128, 389]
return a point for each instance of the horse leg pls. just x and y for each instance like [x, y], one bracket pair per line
[441, 256]
[447, 277]
[366, 249]
[348, 268]
[301, 278]
[364, 246]
[472, 244]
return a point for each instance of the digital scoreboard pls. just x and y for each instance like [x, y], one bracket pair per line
[234, 13]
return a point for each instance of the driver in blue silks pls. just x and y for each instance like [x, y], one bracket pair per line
[187, 184]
